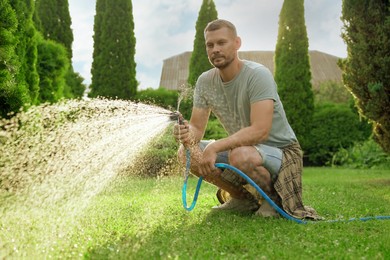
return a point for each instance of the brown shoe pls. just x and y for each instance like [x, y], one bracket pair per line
[267, 211]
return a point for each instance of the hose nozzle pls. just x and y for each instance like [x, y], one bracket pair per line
[176, 116]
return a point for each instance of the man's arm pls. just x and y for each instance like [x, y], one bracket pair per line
[198, 124]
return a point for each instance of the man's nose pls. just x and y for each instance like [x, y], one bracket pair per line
[216, 49]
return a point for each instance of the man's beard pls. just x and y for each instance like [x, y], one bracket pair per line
[223, 65]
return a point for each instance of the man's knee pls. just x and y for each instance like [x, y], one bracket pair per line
[241, 157]
[249, 161]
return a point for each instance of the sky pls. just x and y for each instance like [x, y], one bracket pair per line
[164, 28]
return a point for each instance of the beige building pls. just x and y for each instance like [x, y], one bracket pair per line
[323, 67]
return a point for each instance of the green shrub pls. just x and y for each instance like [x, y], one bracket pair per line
[167, 99]
[53, 64]
[362, 155]
[335, 126]
[161, 97]
[332, 91]
[214, 130]
[186, 108]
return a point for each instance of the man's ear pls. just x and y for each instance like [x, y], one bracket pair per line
[238, 43]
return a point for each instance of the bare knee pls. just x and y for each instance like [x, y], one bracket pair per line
[245, 157]
[248, 160]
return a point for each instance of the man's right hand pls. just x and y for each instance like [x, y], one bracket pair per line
[181, 132]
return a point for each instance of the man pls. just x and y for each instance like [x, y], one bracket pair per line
[243, 96]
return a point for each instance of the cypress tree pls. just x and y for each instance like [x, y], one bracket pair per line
[366, 69]
[13, 95]
[199, 62]
[52, 18]
[8, 26]
[113, 67]
[26, 48]
[97, 73]
[292, 69]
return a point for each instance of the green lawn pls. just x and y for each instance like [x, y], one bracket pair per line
[138, 218]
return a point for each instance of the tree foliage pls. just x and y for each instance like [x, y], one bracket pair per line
[53, 65]
[335, 127]
[332, 92]
[75, 80]
[199, 61]
[162, 97]
[292, 69]
[18, 76]
[26, 48]
[8, 87]
[114, 67]
[366, 69]
[52, 18]
[32, 69]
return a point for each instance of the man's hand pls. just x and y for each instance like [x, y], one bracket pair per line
[181, 132]
[207, 162]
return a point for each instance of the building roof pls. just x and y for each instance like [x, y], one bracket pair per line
[323, 67]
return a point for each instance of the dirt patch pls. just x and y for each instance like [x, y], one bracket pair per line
[379, 182]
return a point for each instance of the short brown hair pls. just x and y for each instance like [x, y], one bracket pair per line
[218, 24]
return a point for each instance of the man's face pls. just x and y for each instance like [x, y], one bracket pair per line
[221, 46]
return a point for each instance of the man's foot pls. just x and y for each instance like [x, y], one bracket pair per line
[238, 205]
[266, 210]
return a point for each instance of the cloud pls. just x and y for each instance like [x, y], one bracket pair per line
[82, 13]
[161, 29]
[164, 28]
[324, 25]
[256, 21]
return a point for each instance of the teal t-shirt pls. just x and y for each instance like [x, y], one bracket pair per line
[231, 101]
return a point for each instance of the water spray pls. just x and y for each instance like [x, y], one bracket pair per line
[55, 159]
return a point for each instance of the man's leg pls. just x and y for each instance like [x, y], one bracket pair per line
[252, 161]
[235, 191]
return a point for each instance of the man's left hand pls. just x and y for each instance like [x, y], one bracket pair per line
[207, 164]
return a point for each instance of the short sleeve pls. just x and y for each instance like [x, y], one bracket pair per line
[199, 93]
[262, 85]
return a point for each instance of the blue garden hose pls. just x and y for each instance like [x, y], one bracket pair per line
[184, 190]
[262, 193]
[184, 196]
[258, 189]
